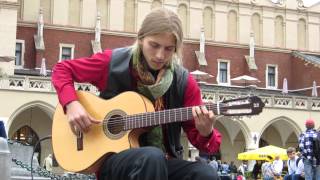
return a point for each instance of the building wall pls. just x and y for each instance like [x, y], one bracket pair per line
[218, 47]
[288, 66]
[266, 10]
[53, 37]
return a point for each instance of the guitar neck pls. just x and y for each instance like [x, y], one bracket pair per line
[162, 117]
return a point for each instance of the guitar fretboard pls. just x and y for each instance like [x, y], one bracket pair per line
[161, 117]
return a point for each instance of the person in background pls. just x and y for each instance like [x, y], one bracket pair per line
[243, 167]
[295, 165]
[225, 168]
[256, 169]
[3, 133]
[233, 169]
[267, 169]
[300, 165]
[213, 163]
[47, 163]
[219, 165]
[150, 68]
[277, 166]
[311, 165]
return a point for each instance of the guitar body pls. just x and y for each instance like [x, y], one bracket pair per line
[129, 110]
[99, 142]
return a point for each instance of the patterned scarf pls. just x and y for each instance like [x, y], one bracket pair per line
[151, 87]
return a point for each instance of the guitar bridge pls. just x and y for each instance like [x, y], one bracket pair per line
[79, 141]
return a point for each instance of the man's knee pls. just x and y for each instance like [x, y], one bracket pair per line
[152, 154]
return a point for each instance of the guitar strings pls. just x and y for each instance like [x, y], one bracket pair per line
[149, 114]
[131, 122]
[146, 115]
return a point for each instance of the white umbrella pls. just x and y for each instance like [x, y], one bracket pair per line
[245, 79]
[314, 89]
[285, 86]
[200, 75]
[43, 68]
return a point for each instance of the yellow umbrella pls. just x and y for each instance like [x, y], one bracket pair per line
[262, 153]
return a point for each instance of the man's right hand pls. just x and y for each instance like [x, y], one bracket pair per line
[79, 119]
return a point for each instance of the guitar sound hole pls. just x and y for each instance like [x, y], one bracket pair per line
[115, 124]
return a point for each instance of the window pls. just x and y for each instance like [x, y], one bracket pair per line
[223, 72]
[19, 54]
[271, 75]
[66, 51]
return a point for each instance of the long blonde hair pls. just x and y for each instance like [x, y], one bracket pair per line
[162, 20]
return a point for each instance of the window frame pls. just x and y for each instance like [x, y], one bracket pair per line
[63, 45]
[22, 42]
[228, 72]
[275, 76]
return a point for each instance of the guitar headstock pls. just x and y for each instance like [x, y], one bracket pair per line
[251, 105]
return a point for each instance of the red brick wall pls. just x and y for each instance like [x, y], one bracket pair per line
[304, 74]
[27, 33]
[239, 66]
[52, 38]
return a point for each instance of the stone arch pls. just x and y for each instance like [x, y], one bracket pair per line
[245, 130]
[285, 121]
[235, 137]
[46, 107]
[37, 115]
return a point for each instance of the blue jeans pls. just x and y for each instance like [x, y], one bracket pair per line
[268, 178]
[292, 177]
[311, 172]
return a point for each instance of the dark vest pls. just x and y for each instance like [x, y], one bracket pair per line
[120, 80]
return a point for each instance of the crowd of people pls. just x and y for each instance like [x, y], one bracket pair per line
[302, 162]
[224, 169]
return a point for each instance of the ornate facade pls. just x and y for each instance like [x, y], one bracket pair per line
[285, 44]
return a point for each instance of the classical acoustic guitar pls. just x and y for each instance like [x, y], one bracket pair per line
[123, 119]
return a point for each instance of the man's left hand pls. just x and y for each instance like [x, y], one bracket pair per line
[204, 120]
